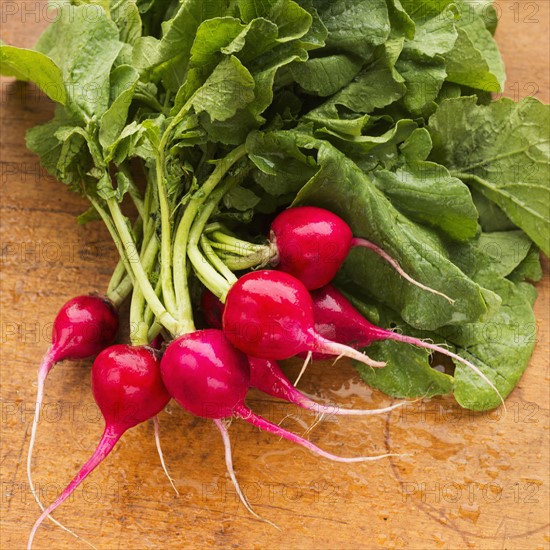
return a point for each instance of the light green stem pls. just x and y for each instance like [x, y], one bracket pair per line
[138, 322]
[208, 275]
[216, 261]
[165, 214]
[148, 314]
[154, 331]
[200, 262]
[138, 328]
[237, 246]
[121, 292]
[182, 235]
[136, 268]
[238, 263]
[116, 277]
[113, 232]
[149, 222]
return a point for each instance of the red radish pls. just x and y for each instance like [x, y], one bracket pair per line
[128, 390]
[208, 377]
[84, 326]
[337, 319]
[267, 376]
[205, 374]
[312, 243]
[269, 314]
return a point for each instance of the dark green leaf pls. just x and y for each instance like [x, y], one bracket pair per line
[240, 198]
[229, 88]
[427, 193]
[355, 26]
[123, 85]
[325, 76]
[502, 151]
[343, 188]
[501, 347]
[475, 60]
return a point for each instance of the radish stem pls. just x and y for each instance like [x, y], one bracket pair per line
[182, 235]
[166, 275]
[137, 269]
[322, 345]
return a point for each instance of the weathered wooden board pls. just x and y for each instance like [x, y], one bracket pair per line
[472, 481]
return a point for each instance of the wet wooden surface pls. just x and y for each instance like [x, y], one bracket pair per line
[473, 481]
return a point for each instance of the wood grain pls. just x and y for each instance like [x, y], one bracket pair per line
[473, 480]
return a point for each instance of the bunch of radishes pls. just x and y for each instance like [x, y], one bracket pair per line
[263, 316]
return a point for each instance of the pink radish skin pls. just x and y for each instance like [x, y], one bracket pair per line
[269, 314]
[83, 327]
[205, 374]
[312, 243]
[128, 390]
[267, 376]
[337, 319]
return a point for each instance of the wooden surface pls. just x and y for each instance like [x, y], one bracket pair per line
[473, 481]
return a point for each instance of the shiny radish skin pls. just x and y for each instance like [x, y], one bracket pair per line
[266, 375]
[127, 385]
[83, 327]
[311, 244]
[269, 314]
[128, 389]
[205, 374]
[337, 319]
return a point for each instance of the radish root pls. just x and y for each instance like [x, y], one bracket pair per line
[220, 424]
[161, 454]
[356, 241]
[246, 414]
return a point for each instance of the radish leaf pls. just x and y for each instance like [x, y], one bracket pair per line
[502, 150]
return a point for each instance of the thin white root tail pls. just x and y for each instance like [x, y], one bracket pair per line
[383, 254]
[231, 471]
[161, 454]
[304, 366]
